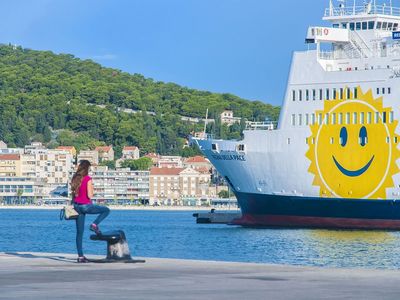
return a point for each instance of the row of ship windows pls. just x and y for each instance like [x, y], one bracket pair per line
[342, 118]
[368, 26]
[361, 140]
[314, 94]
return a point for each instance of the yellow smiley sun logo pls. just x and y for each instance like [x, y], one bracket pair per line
[353, 147]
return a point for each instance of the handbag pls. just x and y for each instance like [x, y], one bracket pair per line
[68, 212]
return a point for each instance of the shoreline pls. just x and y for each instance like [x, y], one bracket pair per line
[127, 207]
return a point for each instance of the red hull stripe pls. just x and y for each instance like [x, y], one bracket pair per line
[315, 222]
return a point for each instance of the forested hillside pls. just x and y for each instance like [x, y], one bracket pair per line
[45, 97]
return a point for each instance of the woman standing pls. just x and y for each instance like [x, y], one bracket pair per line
[82, 192]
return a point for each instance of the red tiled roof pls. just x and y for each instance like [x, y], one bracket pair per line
[103, 148]
[165, 171]
[151, 155]
[130, 148]
[203, 170]
[9, 156]
[196, 159]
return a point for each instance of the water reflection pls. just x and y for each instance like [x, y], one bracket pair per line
[352, 248]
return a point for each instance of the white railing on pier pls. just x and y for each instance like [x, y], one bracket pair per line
[368, 9]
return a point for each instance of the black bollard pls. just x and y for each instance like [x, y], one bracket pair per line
[117, 247]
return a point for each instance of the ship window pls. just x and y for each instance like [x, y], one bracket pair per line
[307, 119]
[355, 93]
[293, 120]
[391, 117]
[334, 94]
[313, 94]
[326, 121]
[383, 91]
[371, 25]
[348, 93]
[307, 95]
[241, 147]
[384, 25]
[369, 117]
[355, 118]
[351, 26]
[384, 117]
[376, 117]
[319, 119]
[362, 118]
[395, 25]
[378, 25]
[335, 25]
[341, 93]
[347, 118]
[300, 95]
[364, 25]
[300, 119]
[320, 94]
[214, 147]
[340, 119]
[390, 26]
[358, 25]
[294, 95]
[288, 141]
[327, 94]
[377, 91]
[344, 25]
[312, 119]
[389, 90]
[333, 118]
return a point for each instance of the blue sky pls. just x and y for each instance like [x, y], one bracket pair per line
[242, 47]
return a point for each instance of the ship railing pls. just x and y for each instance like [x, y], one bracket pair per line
[368, 9]
[267, 125]
[387, 51]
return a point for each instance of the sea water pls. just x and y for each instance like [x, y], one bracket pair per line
[175, 234]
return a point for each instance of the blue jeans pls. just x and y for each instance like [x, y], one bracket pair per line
[90, 209]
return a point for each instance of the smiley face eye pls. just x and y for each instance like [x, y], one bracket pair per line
[343, 136]
[363, 136]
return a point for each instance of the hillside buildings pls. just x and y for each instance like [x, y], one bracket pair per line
[35, 174]
[228, 118]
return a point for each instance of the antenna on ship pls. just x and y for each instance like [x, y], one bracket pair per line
[330, 8]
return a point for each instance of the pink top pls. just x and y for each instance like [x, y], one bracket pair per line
[82, 197]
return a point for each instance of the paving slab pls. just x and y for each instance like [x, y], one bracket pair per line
[57, 276]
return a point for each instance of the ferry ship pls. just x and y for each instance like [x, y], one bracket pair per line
[332, 161]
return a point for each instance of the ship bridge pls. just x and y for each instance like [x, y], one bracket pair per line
[369, 30]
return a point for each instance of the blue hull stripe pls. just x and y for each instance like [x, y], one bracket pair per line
[262, 204]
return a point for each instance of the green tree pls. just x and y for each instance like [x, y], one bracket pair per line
[143, 163]
[108, 163]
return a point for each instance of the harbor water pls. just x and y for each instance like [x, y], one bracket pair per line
[175, 234]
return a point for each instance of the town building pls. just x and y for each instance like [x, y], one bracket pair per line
[178, 186]
[10, 165]
[130, 152]
[121, 185]
[70, 149]
[90, 155]
[105, 153]
[198, 163]
[166, 161]
[20, 190]
[228, 118]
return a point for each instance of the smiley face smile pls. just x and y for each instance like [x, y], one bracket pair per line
[354, 173]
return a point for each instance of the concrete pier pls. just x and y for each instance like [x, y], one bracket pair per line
[57, 276]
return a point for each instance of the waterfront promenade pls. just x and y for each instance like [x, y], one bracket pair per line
[57, 276]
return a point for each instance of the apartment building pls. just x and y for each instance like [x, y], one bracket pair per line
[10, 165]
[120, 185]
[90, 155]
[165, 161]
